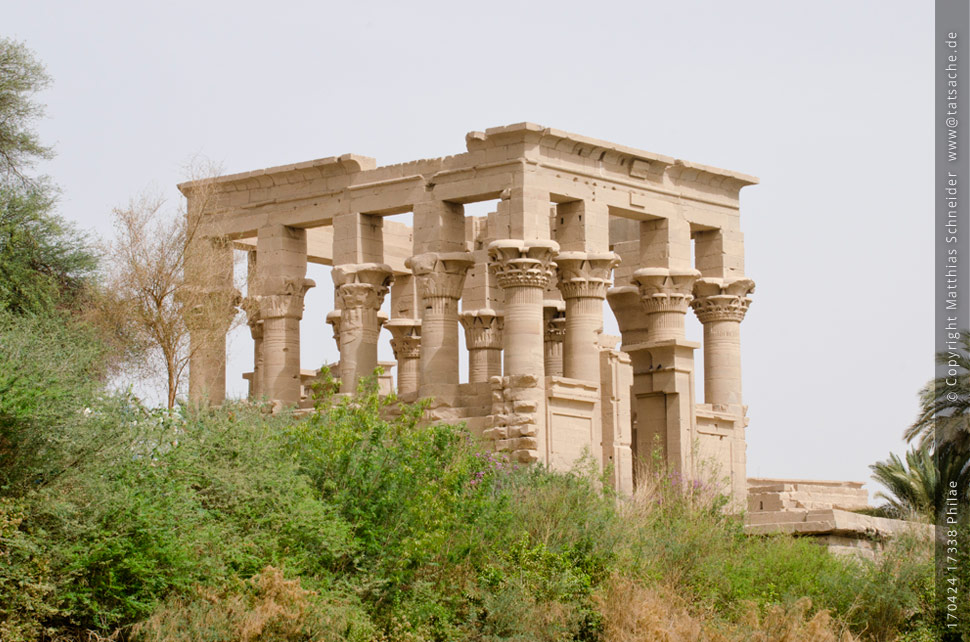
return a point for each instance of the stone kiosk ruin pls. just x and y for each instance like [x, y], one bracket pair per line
[577, 222]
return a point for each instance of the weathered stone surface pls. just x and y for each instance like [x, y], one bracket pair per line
[840, 530]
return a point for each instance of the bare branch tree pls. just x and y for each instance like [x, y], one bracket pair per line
[169, 294]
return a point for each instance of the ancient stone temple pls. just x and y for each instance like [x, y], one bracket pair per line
[580, 227]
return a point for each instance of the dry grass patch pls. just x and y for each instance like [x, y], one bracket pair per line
[634, 613]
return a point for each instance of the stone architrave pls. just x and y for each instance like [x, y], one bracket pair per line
[583, 280]
[406, 344]
[440, 278]
[360, 290]
[554, 325]
[483, 338]
[280, 314]
[720, 305]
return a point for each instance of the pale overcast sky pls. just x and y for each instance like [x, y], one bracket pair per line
[828, 102]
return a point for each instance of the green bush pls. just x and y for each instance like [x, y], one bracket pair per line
[178, 500]
[360, 521]
[50, 369]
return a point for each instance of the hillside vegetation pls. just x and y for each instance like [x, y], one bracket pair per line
[123, 522]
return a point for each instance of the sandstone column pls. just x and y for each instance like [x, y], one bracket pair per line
[583, 280]
[279, 289]
[210, 302]
[255, 323]
[554, 319]
[333, 319]
[360, 290]
[440, 278]
[632, 321]
[406, 343]
[523, 270]
[666, 294]
[720, 305]
[281, 315]
[483, 338]
[667, 416]
[250, 306]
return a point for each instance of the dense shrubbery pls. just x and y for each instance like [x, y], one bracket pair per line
[232, 524]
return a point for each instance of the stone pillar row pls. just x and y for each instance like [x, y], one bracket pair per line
[651, 315]
[565, 344]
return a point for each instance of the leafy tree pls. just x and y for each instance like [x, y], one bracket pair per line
[44, 261]
[21, 76]
[913, 485]
[945, 408]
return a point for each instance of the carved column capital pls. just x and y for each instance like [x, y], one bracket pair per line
[720, 300]
[333, 318]
[250, 306]
[362, 285]
[209, 308]
[440, 274]
[352, 296]
[287, 303]
[483, 329]
[518, 263]
[554, 322]
[665, 290]
[585, 274]
[405, 338]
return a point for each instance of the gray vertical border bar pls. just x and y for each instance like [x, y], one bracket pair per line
[951, 49]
